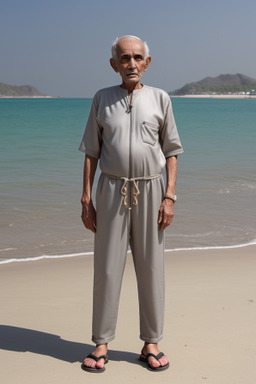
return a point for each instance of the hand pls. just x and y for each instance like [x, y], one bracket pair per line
[166, 214]
[89, 216]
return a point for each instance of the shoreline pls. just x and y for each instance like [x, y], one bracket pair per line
[222, 96]
[72, 255]
[29, 97]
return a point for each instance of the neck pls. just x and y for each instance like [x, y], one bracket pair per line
[130, 88]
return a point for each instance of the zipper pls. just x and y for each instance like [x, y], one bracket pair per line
[130, 97]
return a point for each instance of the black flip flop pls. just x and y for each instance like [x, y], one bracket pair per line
[145, 360]
[95, 370]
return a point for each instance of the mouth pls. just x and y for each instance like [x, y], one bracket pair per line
[131, 74]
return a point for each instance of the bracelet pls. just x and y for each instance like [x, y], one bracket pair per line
[171, 197]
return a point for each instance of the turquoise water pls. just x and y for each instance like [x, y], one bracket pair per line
[41, 176]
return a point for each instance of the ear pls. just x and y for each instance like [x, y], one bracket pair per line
[148, 61]
[113, 65]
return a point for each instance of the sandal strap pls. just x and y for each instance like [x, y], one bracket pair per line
[153, 355]
[96, 358]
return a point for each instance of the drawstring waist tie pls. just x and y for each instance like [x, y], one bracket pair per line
[135, 184]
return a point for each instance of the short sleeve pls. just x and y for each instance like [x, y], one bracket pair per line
[92, 138]
[169, 136]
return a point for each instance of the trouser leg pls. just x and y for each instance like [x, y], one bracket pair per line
[147, 243]
[111, 241]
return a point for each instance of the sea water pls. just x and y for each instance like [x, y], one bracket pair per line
[41, 176]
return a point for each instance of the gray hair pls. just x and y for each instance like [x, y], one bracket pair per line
[115, 43]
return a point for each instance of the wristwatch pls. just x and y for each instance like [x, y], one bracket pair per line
[171, 197]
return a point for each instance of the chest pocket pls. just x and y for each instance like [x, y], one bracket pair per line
[149, 133]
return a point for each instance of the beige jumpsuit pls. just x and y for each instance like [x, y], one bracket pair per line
[132, 137]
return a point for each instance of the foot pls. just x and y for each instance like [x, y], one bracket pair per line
[99, 351]
[154, 363]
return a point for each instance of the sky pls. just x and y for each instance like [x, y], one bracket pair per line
[62, 47]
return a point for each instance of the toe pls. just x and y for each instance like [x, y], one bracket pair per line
[153, 362]
[100, 364]
[90, 363]
[163, 361]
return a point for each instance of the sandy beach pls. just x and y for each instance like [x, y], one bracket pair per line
[209, 327]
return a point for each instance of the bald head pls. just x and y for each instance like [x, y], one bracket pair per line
[128, 37]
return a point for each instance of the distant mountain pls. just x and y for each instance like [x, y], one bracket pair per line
[7, 90]
[222, 84]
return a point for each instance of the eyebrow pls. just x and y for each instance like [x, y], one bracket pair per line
[126, 56]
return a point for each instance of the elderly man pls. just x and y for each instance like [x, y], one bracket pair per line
[131, 129]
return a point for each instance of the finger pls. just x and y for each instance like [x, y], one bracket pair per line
[88, 223]
[162, 223]
[160, 215]
[94, 227]
[95, 221]
[167, 219]
[91, 225]
[163, 226]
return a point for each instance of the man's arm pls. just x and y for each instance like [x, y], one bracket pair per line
[166, 211]
[88, 211]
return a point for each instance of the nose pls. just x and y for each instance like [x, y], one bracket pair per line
[132, 63]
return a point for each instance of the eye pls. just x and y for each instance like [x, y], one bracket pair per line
[124, 59]
[138, 57]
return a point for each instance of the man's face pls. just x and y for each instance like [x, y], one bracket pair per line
[131, 62]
